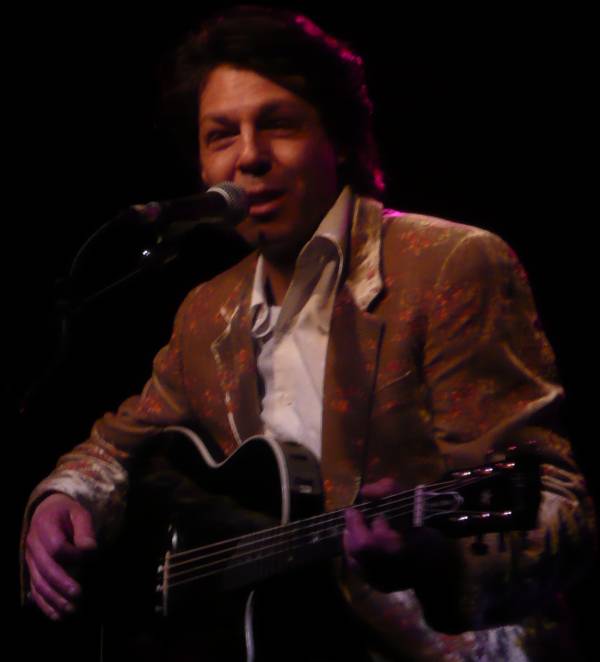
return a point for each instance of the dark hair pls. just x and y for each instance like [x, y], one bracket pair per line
[295, 53]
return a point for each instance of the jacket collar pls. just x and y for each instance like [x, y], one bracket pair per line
[364, 277]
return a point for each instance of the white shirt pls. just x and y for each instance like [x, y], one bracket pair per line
[291, 339]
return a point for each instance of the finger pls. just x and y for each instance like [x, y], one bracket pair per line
[357, 535]
[46, 609]
[84, 537]
[381, 488]
[385, 538]
[52, 572]
[52, 603]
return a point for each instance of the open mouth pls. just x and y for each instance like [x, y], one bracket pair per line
[264, 202]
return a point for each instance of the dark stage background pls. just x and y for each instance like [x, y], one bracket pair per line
[483, 118]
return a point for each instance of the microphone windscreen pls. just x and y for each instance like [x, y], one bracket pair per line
[235, 198]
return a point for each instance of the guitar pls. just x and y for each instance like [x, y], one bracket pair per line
[226, 533]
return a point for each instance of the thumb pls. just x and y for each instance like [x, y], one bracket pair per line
[84, 537]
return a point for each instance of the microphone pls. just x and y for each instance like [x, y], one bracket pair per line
[222, 204]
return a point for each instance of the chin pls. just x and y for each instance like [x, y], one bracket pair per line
[283, 252]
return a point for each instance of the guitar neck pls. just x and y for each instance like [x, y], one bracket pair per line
[297, 544]
[500, 497]
[250, 559]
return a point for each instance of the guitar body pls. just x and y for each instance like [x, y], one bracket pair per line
[182, 498]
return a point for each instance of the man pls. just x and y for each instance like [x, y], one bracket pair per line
[394, 346]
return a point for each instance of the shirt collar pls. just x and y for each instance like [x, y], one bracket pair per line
[333, 227]
[335, 224]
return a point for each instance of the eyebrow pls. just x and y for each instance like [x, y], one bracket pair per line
[268, 108]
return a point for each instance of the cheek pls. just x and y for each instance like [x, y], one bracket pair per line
[312, 164]
[321, 174]
[216, 168]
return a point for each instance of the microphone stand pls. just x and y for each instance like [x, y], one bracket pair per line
[162, 250]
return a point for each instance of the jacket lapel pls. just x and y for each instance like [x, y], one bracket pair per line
[352, 361]
[236, 363]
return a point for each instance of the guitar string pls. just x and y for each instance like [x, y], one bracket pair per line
[279, 531]
[282, 546]
[298, 542]
[283, 534]
[332, 533]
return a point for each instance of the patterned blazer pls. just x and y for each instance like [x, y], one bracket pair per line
[435, 357]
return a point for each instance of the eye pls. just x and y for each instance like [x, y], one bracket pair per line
[280, 124]
[218, 136]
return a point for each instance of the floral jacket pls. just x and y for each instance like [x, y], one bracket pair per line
[435, 357]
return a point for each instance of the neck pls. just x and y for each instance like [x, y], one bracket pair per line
[279, 277]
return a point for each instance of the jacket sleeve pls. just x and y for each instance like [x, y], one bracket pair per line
[492, 383]
[95, 472]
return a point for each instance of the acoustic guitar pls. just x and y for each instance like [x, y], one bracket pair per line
[230, 559]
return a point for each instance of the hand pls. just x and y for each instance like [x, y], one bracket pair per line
[419, 558]
[60, 537]
[378, 552]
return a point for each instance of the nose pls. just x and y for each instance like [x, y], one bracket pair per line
[255, 157]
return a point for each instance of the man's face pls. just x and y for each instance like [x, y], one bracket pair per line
[270, 142]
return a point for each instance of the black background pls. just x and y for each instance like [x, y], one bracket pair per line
[483, 117]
